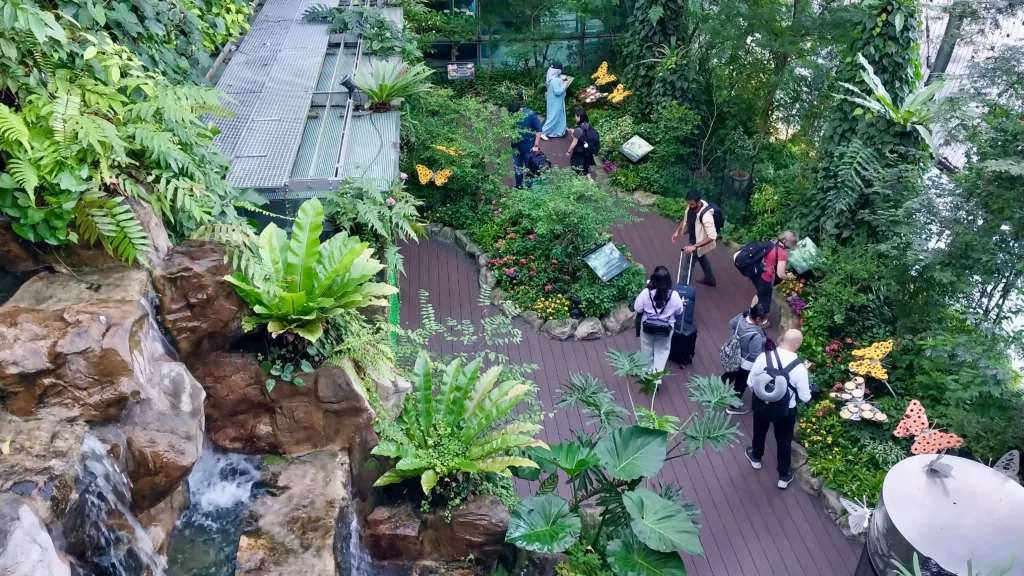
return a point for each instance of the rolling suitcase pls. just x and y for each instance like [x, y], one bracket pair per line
[684, 335]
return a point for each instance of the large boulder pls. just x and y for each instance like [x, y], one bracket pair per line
[589, 329]
[477, 529]
[42, 463]
[25, 546]
[78, 346]
[326, 412]
[294, 526]
[159, 520]
[560, 329]
[202, 312]
[164, 436]
[619, 319]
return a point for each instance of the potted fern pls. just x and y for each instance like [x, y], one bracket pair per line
[388, 82]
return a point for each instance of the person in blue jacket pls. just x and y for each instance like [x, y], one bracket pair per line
[529, 141]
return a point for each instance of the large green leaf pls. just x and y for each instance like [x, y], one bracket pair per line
[632, 452]
[543, 524]
[304, 246]
[571, 457]
[661, 524]
[629, 557]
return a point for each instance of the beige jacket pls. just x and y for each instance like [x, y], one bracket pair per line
[704, 231]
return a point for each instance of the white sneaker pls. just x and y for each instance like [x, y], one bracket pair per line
[543, 137]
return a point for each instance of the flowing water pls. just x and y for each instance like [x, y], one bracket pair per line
[102, 535]
[205, 539]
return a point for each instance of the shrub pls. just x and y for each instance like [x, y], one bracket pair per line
[391, 80]
[597, 298]
[297, 283]
[457, 425]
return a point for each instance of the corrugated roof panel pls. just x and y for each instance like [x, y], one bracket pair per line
[247, 73]
[231, 129]
[304, 157]
[330, 144]
[372, 150]
[267, 38]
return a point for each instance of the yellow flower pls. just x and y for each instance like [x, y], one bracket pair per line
[423, 173]
[441, 177]
[601, 70]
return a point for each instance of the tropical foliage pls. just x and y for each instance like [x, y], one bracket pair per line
[391, 81]
[87, 129]
[299, 283]
[639, 530]
[458, 424]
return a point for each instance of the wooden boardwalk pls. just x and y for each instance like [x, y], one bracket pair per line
[748, 526]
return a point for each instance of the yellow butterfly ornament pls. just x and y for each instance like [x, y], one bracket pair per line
[426, 175]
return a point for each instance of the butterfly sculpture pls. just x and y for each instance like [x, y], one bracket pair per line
[1009, 464]
[860, 514]
[928, 441]
[426, 175]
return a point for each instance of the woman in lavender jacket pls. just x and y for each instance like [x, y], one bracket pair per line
[658, 301]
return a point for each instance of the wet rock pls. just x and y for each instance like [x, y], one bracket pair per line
[589, 329]
[560, 329]
[446, 235]
[483, 259]
[159, 520]
[295, 526]
[327, 412]
[619, 319]
[477, 528]
[473, 249]
[533, 320]
[833, 507]
[809, 482]
[798, 455]
[164, 436]
[393, 533]
[43, 462]
[443, 569]
[391, 388]
[487, 279]
[202, 312]
[78, 346]
[25, 546]
[462, 240]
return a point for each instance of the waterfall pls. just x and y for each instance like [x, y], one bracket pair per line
[205, 538]
[352, 558]
[103, 535]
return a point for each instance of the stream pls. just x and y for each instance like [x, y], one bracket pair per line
[205, 538]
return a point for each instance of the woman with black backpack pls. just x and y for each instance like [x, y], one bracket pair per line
[658, 305]
[585, 143]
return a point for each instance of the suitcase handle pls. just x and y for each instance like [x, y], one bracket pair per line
[679, 269]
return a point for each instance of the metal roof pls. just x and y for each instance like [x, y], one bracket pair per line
[293, 120]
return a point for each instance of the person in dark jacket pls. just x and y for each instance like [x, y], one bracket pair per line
[579, 159]
[529, 140]
[747, 327]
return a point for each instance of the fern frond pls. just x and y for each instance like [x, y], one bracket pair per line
[25, 174]
[857, 168]
[13, 128]
[111, 221]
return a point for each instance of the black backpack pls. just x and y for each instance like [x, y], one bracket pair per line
[537, 163]
[591, 141]
[750, 259]
[718, 215]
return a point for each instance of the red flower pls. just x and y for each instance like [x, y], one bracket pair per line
[532, 236]
[532, 273]
[512, 236]
[548, 288]
[849, 340]
[565, 277]
[555, 262]
[531, 257]
[522, 260]
[837, 386]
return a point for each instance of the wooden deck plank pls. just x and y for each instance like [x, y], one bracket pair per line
[749, 527]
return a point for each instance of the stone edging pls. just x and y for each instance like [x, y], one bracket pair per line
[592, 328]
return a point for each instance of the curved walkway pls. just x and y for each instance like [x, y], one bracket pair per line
[749, 526]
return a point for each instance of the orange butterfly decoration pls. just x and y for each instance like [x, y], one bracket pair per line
[928, 441]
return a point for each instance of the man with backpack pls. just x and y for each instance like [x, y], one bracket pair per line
[764, 263]
[702, 223]
[777, 379]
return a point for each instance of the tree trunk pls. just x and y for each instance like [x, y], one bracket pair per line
[781, 63]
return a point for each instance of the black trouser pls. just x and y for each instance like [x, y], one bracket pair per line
[705, 265]
[764, 292]
[738, 379]
[783, 424]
